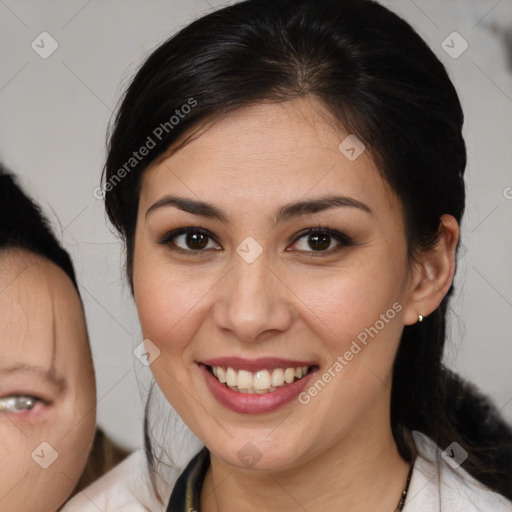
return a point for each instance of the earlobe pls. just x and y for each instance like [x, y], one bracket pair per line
[433, 274]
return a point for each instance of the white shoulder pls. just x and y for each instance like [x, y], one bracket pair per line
[125, 488]
[437, 485]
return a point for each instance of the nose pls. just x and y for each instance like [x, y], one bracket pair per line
[254, 304]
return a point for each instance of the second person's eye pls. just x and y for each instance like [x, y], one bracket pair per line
[18, 403]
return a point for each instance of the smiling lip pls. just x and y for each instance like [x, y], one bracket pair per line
[254, 403]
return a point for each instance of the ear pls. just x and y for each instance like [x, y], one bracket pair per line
[433, 273]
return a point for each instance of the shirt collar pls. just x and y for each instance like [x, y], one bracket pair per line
[186, 494]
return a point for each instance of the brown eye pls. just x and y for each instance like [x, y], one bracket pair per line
[322, 240]
[319, 242]
[189, 240]
[196, 241]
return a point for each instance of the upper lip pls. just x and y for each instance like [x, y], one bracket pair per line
[252, 365]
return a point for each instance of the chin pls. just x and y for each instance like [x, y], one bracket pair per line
[258, 455]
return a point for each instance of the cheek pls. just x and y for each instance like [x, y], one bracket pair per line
[74, 449]
[342, 305]
[15, 460]
[170, 303]
[25, 484]
[68, 428]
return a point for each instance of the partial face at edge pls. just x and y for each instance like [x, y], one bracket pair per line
[45, 356]
[305, 298]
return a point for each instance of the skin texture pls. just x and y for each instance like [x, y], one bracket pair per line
[42, 326]
[336, 451]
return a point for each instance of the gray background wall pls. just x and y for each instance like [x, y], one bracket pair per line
[53, 117]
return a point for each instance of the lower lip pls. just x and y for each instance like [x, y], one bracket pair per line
[253, 404]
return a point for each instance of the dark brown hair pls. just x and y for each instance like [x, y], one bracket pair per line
[24, 226]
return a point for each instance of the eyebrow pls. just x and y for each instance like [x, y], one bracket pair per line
[47, 375]
[286, 212]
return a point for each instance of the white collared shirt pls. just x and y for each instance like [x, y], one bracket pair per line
[434, 487]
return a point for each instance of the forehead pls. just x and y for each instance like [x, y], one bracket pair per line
[263, 152]
[36, 298]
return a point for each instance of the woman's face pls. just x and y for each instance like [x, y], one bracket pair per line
[295, 257]
[47, 390]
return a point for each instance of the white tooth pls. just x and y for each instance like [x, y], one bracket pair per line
[261, 380]
[298, 373]
[233, 388]
[305, 370]
[244, 391]
[251, 391]
[272, 388]
[221, 374]
[289, 375]
[244, 379]
[261, 391]
[277, 377]
[214, 370]
[231, 377]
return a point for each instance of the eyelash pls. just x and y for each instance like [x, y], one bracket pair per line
[341, 238]
[4, 399]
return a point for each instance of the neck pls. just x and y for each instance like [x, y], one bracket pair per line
[362, 472]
